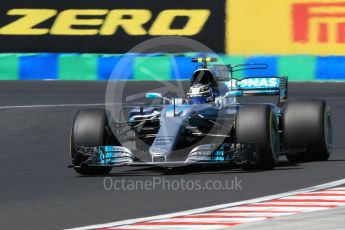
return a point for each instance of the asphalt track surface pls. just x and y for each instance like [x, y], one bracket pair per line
[37, 191]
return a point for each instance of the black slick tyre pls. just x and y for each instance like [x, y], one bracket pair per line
[89, 130]
[307, 126]
[257, 126]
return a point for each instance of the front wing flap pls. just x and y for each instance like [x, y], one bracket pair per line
[104, 155]
[116, 156]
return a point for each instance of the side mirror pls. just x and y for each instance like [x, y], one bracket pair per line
[158, 96]
[154, 96]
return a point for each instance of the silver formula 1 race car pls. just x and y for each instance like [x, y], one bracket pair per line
[210, 125]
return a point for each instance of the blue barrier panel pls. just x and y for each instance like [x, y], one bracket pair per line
[330, 68]
[46, 66]
[182, 67]
[38, 67]
[107, 63]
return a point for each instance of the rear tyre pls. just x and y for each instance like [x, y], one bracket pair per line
[307, 125]
[257, 127]
[89, 130]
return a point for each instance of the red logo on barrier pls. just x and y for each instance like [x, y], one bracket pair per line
[325, 21]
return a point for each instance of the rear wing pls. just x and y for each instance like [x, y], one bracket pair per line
[258, 86]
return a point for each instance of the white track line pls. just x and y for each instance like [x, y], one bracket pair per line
[276, 208]
[49, 106]
[243, 214]
[328, 192]
[337, 189]
[225, 206]
[299, 204]
[324, 197]
[174, 227]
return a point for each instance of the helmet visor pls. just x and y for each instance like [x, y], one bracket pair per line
[198, 100]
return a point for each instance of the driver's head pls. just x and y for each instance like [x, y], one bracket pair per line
[200, 94]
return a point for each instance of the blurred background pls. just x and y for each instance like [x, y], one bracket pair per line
[85, 39]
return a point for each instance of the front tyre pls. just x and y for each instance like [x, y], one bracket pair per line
[257, 128]
[89, 130]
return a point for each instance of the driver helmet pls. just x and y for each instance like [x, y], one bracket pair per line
[200, 94]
